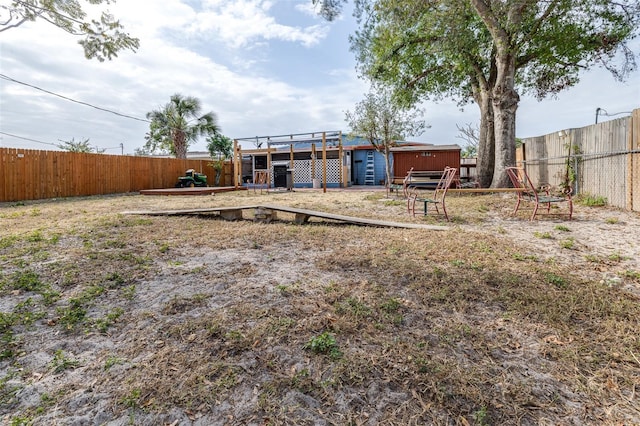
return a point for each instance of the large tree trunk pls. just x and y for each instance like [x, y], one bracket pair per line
[505, 103]
[482, 86]
[486, 140]
[504, 97]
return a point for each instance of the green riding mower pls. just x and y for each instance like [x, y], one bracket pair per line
[191, 179]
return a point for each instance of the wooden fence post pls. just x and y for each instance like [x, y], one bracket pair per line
[633, 162]
[324, 162]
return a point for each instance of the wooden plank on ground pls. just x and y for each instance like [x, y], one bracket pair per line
[187, 211]
[352, 219]
[301, 216]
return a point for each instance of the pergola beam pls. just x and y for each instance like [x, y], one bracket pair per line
[294, 138]
[333, 137]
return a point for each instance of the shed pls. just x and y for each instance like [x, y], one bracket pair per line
[424, 157]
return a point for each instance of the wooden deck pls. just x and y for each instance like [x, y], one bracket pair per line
[198, 190]
[268, 212]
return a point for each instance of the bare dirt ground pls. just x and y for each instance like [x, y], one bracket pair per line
[112, 319]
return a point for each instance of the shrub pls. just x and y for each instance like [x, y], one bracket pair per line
[324, 343]
[592, 200]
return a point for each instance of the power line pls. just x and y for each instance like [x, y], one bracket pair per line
[53, 144]
[27, 139]
[5, 77]
[602, 111]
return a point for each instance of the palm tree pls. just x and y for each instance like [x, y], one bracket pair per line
[178, 124]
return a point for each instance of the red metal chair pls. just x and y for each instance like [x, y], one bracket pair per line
[527, 192]
[439, 194]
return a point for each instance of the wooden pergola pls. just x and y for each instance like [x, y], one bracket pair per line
[272, 142]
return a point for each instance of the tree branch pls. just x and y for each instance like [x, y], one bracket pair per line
[500, 36]
[543, 18]
[22, 21]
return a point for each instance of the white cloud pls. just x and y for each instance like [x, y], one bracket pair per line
[247, 100]
[144, 19]
[307, 8]
[241, 23]
[136, 83]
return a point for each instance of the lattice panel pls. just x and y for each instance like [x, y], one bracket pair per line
[301, 171]
[333, 170]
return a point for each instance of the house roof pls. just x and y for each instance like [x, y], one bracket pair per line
[425, 147]
[191, 155]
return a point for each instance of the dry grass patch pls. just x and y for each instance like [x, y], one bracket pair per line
[175, 319]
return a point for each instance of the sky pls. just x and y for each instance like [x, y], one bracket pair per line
[263, 67]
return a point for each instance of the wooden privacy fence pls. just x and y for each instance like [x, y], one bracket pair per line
[601, 160]
[34, 174]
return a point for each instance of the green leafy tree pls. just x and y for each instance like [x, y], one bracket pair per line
[489, 52]
[543, 46]
[78, 146]
[328, 9]
[101, 39]
[424, 61]
[220, 148]
[178, 124]
[142, 151]
[383, 121]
